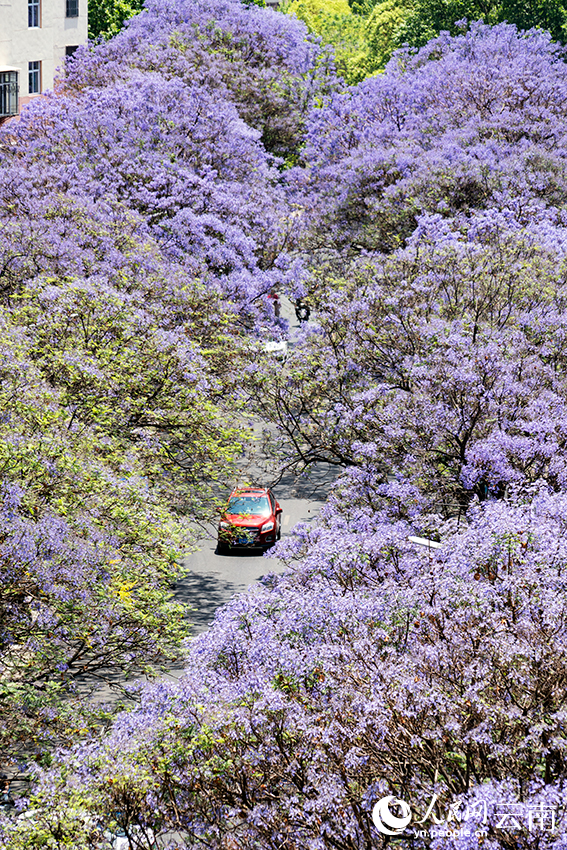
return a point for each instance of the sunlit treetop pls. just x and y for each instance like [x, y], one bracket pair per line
[259, 59]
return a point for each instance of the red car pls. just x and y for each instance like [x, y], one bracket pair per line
[252, 519]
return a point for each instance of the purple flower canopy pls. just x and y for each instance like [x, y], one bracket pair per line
[427, 210]
[370, 656]
[143, 225]
[434, 208]
[472, 124]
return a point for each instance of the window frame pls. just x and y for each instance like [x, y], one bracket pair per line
[36, 72]
[34, 14]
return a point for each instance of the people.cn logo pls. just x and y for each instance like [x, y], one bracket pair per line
[385, 821]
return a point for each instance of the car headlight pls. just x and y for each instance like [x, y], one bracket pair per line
[268, 526]
[223, 524]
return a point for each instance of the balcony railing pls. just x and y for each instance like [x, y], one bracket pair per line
[8, 93]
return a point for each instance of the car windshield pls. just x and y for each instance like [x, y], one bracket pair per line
[257, 505]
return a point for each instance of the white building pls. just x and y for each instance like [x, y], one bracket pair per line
[35, 37]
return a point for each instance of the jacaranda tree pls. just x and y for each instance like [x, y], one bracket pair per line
[143, 227]
[433, 211]
[424, 221]
[374, 667]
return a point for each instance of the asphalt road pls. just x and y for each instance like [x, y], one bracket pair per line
[213, 579]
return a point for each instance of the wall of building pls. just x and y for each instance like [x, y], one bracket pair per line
[20, 44]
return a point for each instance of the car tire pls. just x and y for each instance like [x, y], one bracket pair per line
[222, 547]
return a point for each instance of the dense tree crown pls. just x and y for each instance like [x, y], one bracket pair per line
[437, 199]
[142, 228]
[364, 33]
[184, 169]
[107, 17]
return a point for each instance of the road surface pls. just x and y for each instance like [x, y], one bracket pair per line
[214, 579]
[211, 579]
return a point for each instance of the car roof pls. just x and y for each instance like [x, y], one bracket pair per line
[250, 491]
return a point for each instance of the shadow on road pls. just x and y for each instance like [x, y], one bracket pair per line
[314, 484]
[203, 593]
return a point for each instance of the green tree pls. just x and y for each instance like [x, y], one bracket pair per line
[546, 14]
[365, 33]
[342, 26]
[383, 28]
[427, 18]
[106, 17]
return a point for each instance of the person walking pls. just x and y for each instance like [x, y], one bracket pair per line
[275, 299]
[302, 310]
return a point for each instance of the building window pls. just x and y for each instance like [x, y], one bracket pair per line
[70, 49]
[72, 7]
[8, 93]
[34, 76]
[33, 13]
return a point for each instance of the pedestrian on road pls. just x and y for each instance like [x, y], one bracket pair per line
[275, 299]
[302, 310]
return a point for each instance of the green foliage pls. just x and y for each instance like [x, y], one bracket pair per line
[365, 36]
[102, 410]
[106, 17]
[546, 14]
[384, 27]
[77, 482]
[315, 11]
[427, 18]
[337, 24]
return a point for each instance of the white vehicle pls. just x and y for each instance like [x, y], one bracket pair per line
[277, 348]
